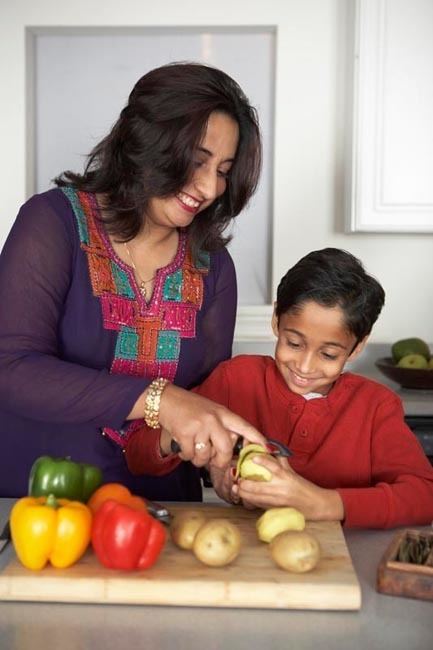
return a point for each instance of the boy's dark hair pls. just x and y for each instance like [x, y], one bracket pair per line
[333, 277]
[149, 151]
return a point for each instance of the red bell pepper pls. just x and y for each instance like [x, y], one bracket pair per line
[125, 538]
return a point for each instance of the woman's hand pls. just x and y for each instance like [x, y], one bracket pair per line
[286, 488]
[204, 430]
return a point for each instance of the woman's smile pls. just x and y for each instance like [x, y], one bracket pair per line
[188, 203]
[210, 170]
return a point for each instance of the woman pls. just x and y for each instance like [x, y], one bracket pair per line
[120, 291]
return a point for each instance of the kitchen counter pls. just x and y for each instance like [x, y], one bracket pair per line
[383, 621]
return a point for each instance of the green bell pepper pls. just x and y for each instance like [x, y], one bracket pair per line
[63, 478]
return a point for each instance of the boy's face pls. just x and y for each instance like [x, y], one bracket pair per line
[313, 346]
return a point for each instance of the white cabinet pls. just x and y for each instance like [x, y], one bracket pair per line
[390, 184]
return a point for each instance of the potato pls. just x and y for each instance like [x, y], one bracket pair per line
[295, 551]
[276, 520]
[184, 527]
[217, 543]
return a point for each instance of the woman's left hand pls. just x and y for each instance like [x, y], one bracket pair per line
[287, 488]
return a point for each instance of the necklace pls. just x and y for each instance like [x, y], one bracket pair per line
[142, 283]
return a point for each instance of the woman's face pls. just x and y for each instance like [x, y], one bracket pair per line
[212, 163]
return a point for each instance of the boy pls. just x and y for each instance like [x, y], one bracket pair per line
[354, 458]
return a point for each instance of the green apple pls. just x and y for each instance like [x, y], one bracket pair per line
[405, 347]
[414, 361]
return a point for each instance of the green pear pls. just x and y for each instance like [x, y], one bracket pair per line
[414, 361]
[405, 347]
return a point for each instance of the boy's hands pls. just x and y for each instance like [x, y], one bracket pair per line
[222, 481]
[286, 488]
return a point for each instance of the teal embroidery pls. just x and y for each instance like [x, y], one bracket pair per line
[173, 287]
[127, 344]
[168, 346]
[121, 281]
[79, 214]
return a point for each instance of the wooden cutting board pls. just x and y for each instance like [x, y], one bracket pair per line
[178, 578]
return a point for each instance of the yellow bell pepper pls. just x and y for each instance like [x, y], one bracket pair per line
[46, 529]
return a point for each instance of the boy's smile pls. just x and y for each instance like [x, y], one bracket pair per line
[313, 347]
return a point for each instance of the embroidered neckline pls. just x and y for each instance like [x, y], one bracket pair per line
[148, 334]
[161, 273]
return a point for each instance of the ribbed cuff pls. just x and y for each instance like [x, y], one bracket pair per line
[143, 453]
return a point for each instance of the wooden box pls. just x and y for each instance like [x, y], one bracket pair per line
[400, 578]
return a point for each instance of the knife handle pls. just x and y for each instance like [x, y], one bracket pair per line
[175, 446]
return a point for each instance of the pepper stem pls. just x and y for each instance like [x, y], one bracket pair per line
[52, 501]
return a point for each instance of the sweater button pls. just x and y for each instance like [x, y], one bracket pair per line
[304, 433]
[294, 409]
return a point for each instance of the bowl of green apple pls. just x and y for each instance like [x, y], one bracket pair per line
[410, 364]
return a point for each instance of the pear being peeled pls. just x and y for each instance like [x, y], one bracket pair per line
[246, 468]
[277, 520]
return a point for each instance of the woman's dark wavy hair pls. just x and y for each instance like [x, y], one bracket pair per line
[333, 277]
[149, 151]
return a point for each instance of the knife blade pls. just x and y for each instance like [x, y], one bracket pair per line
[158, 511]
[273, 447]
[5, 536]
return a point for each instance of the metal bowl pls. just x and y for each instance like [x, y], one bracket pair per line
[406, 377]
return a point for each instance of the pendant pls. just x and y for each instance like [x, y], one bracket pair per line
[142, 290]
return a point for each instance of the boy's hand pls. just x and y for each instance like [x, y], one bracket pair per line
[286, 488]
[165, 443]
[222, 481]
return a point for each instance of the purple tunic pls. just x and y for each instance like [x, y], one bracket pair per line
[58, 390]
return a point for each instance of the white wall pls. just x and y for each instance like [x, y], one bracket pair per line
[102, 67]
[311, 117]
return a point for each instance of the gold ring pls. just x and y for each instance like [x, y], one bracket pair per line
[200, 445]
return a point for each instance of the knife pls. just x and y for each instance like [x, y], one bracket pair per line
[158, 511]
[274, 447]
[5, 536]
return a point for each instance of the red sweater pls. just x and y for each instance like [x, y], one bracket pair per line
[354, 440]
